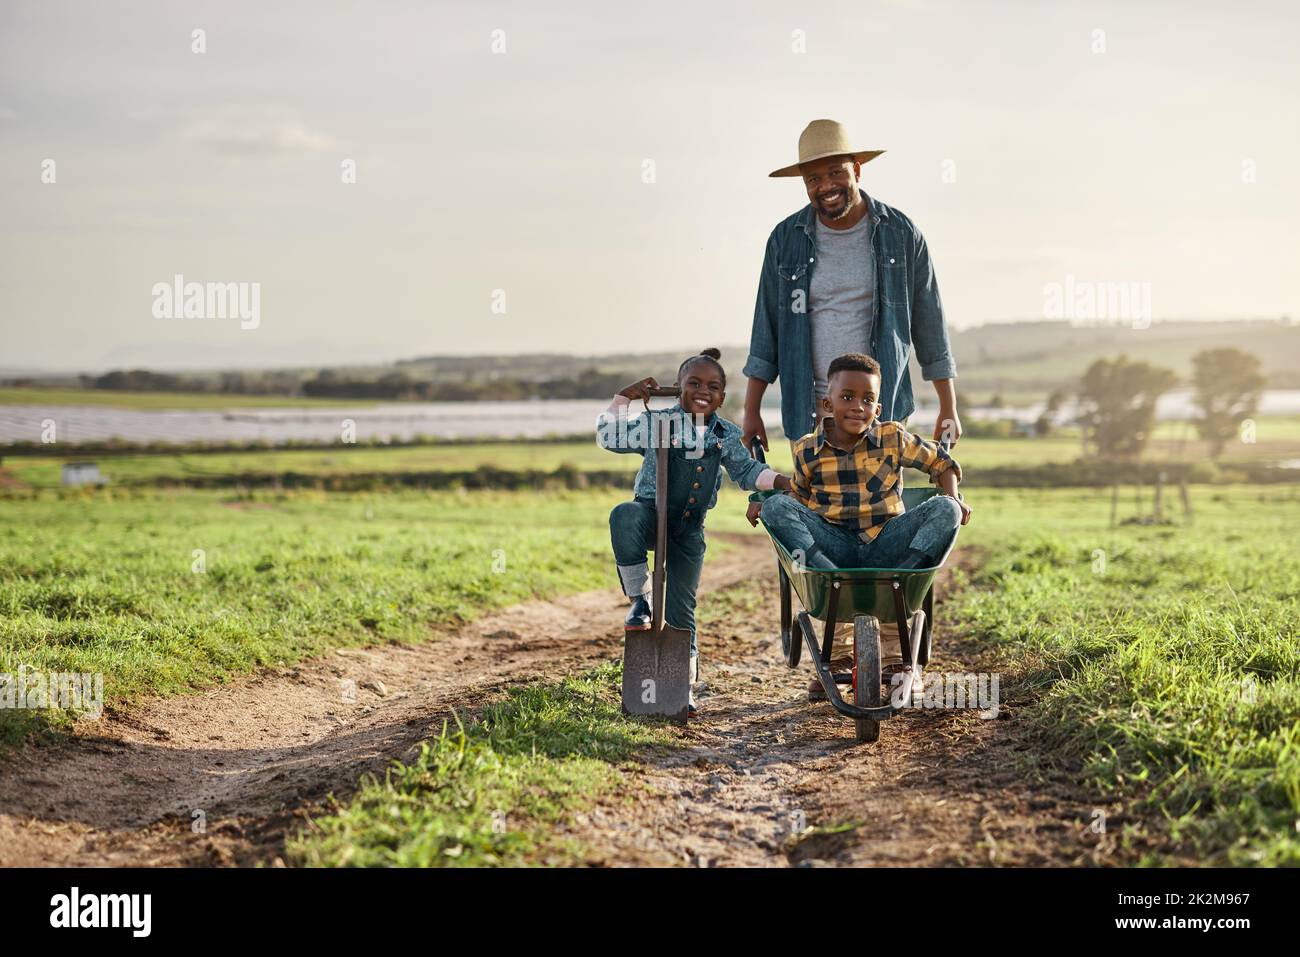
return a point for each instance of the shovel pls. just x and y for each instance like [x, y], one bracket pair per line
[657, 663]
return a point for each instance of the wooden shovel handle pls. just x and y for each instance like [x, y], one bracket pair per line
[661, 539]
[661, 520]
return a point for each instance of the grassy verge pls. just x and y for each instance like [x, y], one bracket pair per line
[1163, 659]
[490, 792]
[162, 593]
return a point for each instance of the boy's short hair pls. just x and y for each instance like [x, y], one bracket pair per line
[853, 362]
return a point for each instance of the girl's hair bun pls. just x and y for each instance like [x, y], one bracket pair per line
[707, 355]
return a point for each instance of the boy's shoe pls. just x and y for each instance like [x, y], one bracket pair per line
[815, 690]
[638, 618]
[691, 709]
[916, 559]
[816, 558]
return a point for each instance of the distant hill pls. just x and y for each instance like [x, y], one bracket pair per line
[1036, 357]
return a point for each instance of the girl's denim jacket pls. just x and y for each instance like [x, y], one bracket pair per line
[694, 469]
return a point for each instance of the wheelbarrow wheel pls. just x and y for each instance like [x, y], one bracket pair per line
[867, 692]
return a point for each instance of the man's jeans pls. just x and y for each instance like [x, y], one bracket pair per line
[632, 531]
[929, 527]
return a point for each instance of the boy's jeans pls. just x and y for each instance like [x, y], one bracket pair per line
[929, 527]
[632, 531]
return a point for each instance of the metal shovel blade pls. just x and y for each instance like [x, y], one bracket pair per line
[657, 673]
[657, 663]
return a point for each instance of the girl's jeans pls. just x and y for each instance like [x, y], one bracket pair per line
[929, 527]
[632, 531]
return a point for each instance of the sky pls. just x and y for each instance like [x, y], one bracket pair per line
[592, 177]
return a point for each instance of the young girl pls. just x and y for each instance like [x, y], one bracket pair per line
[702, 444]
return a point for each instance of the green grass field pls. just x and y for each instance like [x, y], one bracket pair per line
[1161, 661]
[108, 582]
[1164, 659]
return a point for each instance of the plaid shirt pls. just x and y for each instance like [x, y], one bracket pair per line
[861, 488]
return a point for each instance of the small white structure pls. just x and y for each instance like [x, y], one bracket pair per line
[82, 473]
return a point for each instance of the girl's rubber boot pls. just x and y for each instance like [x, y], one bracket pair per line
[638, 616]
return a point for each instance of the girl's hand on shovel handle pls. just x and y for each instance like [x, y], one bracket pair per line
[646, 388]
[640, 389]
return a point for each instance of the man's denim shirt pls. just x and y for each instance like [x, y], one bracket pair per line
[906, 312]
[694, 474]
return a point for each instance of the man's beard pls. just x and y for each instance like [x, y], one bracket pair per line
[842, 210]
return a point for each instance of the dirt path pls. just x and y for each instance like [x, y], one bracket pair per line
[220, 777]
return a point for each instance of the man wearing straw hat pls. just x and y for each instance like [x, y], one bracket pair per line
[856, 277]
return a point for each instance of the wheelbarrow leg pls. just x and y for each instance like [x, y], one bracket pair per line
[928, 607]
[832, 606]
[900, 613]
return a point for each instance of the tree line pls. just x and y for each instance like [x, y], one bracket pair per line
[394, 386]
[1117, 400]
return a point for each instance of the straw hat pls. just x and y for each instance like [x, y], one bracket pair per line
[823, 138]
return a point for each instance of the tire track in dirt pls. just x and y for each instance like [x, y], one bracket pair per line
[258, 755]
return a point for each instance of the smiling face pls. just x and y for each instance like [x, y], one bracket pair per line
[852, 399]
[702, 388]
[832, 186]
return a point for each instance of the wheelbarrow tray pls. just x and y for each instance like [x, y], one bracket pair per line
[862, 591]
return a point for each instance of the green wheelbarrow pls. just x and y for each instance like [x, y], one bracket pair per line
[862, 596]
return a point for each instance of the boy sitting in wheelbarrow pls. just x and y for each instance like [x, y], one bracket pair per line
[845, 507]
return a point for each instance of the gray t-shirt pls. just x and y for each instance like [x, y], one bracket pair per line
[840, 296]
